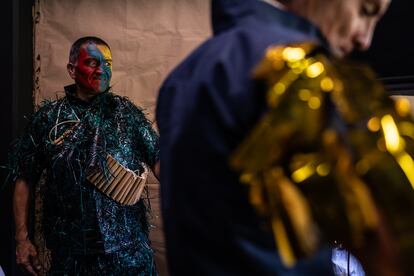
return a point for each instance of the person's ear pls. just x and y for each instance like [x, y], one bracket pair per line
[71, 70]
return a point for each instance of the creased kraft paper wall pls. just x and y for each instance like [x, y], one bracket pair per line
[148, 38]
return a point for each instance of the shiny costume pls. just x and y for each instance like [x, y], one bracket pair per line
[85, 232]
[331, 148]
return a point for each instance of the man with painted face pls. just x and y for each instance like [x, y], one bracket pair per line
[90, 150]
[212, 102]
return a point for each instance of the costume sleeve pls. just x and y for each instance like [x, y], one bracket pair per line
[148, 141]
[26, 159]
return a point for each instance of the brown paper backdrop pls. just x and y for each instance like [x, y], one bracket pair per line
[147, 37]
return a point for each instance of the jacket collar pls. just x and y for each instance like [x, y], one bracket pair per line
[229, 13]
[70, 92]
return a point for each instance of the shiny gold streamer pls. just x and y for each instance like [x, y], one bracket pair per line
[303, 85]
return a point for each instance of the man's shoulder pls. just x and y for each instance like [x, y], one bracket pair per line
[234, 52]
[125, 104]
[46, 107]
[121, 101]
[43, 115]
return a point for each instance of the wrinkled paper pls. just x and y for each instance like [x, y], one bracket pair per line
[147, 38]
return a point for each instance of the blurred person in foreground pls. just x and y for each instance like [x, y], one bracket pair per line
[274, 150]
[90, 150]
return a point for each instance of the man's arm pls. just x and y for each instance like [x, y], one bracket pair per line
[26, 253]
[156, 170]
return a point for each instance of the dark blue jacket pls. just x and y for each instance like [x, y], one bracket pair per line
[206, 107]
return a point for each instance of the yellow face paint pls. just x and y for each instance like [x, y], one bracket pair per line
[94, 67]
[106, 53]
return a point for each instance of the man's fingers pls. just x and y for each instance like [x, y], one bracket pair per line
[22, 260]
[26, 257]
[36, 263]
[29, 269]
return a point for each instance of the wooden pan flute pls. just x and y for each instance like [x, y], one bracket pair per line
[122, 185]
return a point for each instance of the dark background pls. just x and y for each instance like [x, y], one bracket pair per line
[15, 103]
[392, 56]
[392, 51]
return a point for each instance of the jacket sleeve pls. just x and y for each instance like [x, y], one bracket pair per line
[26, 159]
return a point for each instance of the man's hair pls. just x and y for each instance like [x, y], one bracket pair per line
[74, 50]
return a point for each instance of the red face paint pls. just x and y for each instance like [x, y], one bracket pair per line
[93, 70]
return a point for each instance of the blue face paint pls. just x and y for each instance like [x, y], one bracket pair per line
[94, 67]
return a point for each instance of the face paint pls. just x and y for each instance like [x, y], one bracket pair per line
[93, 70]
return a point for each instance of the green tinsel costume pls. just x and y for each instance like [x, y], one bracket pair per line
[86, 232]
